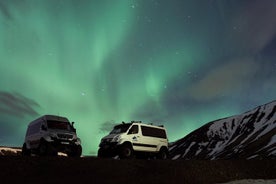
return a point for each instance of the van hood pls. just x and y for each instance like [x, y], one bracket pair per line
[111, 136]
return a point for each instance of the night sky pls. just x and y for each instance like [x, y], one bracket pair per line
[180, 63]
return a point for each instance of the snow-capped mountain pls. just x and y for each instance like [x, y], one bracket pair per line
[247, 136]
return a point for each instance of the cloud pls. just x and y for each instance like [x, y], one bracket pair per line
[17, 105]
[151, 111]
[107, 126]
[254, 26]
[224, 79]
[4, 11]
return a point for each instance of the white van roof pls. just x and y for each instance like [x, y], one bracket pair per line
[148, 125]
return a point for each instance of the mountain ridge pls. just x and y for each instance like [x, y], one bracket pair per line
[249, 135]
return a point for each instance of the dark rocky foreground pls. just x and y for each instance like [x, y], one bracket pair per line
[17, 169]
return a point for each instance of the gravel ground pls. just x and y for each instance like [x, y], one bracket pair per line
[250, 181]
[17, 169]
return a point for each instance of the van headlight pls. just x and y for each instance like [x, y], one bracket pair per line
[79, 140]
[52, 135]
[49, 137]
[116, 138]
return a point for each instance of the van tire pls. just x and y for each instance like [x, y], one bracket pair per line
[163, 154]
[25, 150]
[102, 153]
[78, 151]
[75, 151]
[126, 151]
[43, 148]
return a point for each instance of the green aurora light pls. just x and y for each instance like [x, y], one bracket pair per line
[103, 62]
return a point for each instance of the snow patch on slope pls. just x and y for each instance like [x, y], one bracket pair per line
[248, 135]
[11, 151]
[188, 149]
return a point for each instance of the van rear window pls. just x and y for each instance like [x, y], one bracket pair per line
[153, 132]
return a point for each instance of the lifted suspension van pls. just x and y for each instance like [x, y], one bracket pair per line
[51, 134]
[135, 138]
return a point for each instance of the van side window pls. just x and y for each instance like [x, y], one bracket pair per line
[153, 132]
[34, 129]
[133, 129]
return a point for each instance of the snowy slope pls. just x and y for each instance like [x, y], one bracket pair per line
[15, 151]
[9, 151]
[249, 135]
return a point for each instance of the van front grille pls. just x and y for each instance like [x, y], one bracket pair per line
[65, 136]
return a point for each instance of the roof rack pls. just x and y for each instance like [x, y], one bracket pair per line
[136, 121]
[148, 123]
[155, 125]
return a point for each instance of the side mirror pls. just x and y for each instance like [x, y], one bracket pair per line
[73, 128]
[43, 127]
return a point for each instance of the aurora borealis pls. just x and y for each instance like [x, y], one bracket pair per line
[181, 63]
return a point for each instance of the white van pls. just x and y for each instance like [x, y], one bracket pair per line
[135, 138]
[51, 134]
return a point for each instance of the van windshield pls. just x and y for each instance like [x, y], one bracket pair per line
[120, 129]
[58, 125]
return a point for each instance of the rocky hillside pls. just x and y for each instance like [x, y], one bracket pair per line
[247, 136]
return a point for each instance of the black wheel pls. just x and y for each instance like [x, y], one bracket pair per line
[163, 154]
[25, 150]
[78, 151]
[102, 153]
[43, 148]
[126, 151]
[75, 151]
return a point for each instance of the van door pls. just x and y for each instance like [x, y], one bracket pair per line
[150, 142]
[140, 142]
[135, 137]
[34, 135]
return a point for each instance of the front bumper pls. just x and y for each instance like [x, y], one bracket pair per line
[60, 145]
[108, 149]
